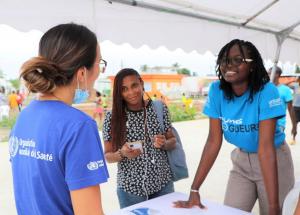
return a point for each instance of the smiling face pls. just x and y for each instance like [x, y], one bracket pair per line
[234, 69]
[132, 92]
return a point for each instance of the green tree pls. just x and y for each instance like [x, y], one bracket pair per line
[144, 68]
[184, 71]
[15, 83]
[297, 69]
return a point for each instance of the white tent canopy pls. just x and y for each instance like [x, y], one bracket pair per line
[186, 24]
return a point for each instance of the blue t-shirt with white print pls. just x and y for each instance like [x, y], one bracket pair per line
[54, 149]
[240, 117]
[286, 96]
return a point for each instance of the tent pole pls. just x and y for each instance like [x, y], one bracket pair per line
[280, 38]
[260, 12]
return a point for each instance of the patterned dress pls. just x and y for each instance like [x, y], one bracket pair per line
[150, 171]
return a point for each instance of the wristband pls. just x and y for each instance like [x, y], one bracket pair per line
[194, 191]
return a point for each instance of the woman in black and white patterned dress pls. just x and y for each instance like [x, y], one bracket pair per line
[133, 138]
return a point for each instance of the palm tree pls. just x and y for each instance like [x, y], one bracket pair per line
[175, 67]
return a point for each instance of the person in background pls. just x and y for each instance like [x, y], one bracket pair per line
[244, 107]
[3, 100]
[183, 99]
[55, 150]
[4, 108]
[154, 97]
[133, 139]
[104, 102]
[98, 112]
[13, 104]
[296, 106]
[20, 99]
[286, 96]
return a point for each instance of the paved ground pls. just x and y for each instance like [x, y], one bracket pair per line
[193, 134]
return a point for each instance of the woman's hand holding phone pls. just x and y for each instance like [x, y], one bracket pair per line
[132, 149]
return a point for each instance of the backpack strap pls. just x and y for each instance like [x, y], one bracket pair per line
[159, 109]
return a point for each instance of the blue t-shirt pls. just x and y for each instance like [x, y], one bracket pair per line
[54, 149]
[286, 96]
[240, 117]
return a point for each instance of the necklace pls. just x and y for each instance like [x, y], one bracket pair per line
[49, 97]
[56, 97]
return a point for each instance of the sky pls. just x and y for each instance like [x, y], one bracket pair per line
[16, 47]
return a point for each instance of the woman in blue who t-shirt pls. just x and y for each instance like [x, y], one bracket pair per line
[55, 149]
[244, 107]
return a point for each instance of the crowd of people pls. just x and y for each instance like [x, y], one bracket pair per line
[58, 161]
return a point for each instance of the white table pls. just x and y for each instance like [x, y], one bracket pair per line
[163, 206]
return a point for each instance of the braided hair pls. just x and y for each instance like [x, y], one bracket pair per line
[257, 78]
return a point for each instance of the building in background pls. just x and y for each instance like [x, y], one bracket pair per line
[168, 85]
[194, 86]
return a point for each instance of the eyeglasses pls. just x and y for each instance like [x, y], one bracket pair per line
[236, 61]
[102, 65]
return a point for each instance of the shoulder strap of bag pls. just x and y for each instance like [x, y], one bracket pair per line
[159, 109]
[176, 156]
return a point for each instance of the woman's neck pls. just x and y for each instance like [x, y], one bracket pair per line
[239, 89]
[138, 106]
[63, 94]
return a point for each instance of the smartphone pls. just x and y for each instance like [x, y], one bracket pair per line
[135, 145]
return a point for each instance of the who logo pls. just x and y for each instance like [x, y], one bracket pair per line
[13, 146]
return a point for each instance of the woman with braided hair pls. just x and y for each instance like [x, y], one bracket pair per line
[243, 106]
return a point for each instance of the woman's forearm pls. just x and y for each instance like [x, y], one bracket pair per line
[268, 164]
[87, 201]
[209, 155]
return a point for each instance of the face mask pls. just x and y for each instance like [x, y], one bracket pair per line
[81, 95]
